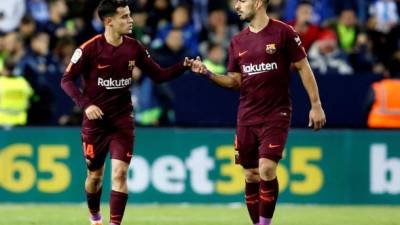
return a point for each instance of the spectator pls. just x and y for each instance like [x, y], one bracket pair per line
[384, 18]
[173, 49]
[14, 47]
[393, 41]
[217, 30]
[362, 59]
[308, 32]
[26, 29]
[347, 30]
[326, 58]
[180, 20]
[155, 102]
[276, 9]
[92, 26]
[63, 51]
[200, 12]
[323, 10]
[40, 68]
[384, 102]
[159, 14]
[56, 26]
[215, 60]
[384, 15]
[15, 92]
[39, 10]
[140, 30]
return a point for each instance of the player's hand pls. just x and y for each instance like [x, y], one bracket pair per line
[93, 112]
[198, 66]
[188, 62]
[317, 117]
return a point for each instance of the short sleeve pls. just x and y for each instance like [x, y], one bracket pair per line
[233, 64]
[294, 46]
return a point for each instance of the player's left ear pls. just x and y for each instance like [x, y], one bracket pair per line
[259, 4]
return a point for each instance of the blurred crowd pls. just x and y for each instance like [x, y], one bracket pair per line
[38, 37]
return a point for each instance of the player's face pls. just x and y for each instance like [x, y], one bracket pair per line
[122, 21]
[246, 9]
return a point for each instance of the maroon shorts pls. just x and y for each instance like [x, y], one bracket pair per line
[119, 141]
[265, 140]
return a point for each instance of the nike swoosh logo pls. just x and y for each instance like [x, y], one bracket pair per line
[102, 66]
[273, 146]
[242, 53]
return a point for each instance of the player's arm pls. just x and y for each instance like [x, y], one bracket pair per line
[298, 56]
[155, 72]
[72, 72]
[232, 80]
[317, 115]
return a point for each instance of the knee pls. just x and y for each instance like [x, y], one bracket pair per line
[95, 179]
[252, 176]
[119, 174]
[267, 171]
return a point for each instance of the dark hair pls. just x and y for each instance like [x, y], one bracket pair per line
[9, 65]
[304, 2]
[38, 34]
[109, 7]
[212, 45]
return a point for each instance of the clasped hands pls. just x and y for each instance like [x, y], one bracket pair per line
[196, 65]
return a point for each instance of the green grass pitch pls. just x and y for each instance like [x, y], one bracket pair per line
[64, 214]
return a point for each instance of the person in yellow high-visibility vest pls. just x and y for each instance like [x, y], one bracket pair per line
[15, 93]
[385, 110]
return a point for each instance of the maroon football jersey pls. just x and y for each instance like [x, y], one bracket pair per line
[106, 73]
[264, 60]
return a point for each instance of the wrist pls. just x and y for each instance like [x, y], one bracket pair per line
[209, 74]
[316, 104]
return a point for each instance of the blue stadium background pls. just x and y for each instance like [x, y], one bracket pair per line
[360, 36]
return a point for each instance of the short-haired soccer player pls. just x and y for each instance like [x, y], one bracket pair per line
[105, 65]
[260, 58]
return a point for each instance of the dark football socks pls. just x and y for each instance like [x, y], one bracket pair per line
[252, 200]
[269, 191]
[93, 201]
[117, 207]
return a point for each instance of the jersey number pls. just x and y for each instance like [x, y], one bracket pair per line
[88, 150]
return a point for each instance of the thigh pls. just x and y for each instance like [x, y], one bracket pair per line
[272, 138]
[121, 144]
[246, 147]
[95, 149]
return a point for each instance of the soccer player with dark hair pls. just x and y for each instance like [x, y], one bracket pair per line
[105, 65]
[259, 65]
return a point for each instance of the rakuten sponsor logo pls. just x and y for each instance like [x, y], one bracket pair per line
[254, 69]
[114, 84]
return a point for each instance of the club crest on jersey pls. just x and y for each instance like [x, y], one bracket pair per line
[270, 48]
[131, 64]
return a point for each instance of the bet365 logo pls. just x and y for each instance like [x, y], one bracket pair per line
[205, 174]
[385, 171]
[24, 168]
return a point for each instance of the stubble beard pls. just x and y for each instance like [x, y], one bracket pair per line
[248, 18]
